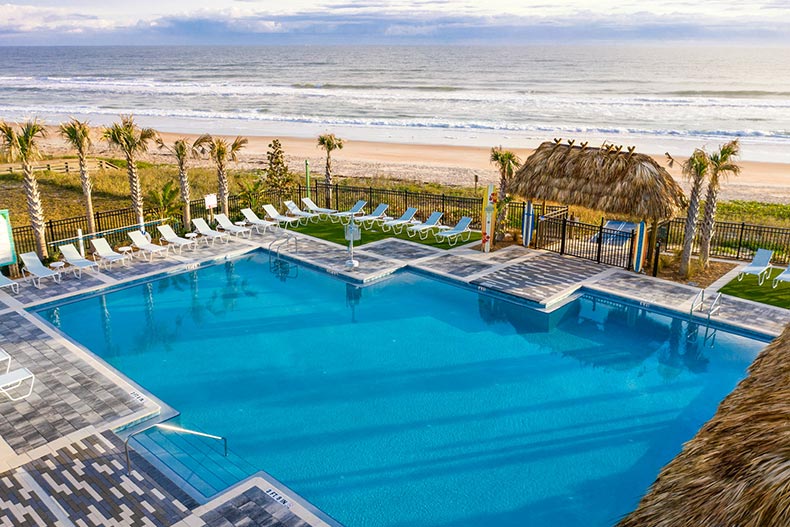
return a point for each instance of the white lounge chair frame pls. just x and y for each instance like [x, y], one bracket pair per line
[279, 218]
[424, 229]
[75, 260]
[397, 225]
[7, 282]
[142, 243]
[207, 233]
[294, 209]
[256, 222]
[345, 216]
[461, 232]
[784, 276]
[36, 271]
[174, 240]
[12, 380]
[368, 221]
[105, 254]
[315, 209]
[226, 225]
[760, 266]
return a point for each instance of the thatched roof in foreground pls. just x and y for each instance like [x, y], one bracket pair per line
[736, 470]
[608, 179]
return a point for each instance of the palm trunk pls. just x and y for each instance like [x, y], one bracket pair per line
[708, 222]
[183, 180]
[87, 191]
[35, 210]
[691, 228]
[222, 182]
[135, 191]
[328, 181]
[502, 212]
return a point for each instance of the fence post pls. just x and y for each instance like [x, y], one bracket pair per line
[740, 241]
[631, 251]
[656, 257]
[564, 230]
[336, 198]
[600, 241]
[443, 208]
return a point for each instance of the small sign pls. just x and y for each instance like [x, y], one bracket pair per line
[7, 251]
[211, 201]
[353, 233]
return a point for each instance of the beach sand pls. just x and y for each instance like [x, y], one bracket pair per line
[452, 165]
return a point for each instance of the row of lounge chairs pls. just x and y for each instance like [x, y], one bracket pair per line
[760, 266]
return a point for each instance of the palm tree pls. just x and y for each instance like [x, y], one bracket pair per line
[78, 135]
[165, 201]
[220, 153]
[721, 164]
[696, 170]
[506, 162]
[132, 141]
[329, 142]
[182, 151]
[22, 145]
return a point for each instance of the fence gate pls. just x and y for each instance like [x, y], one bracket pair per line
[556, 233]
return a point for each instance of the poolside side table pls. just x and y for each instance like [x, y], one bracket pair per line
[241, 223]
[57, 267]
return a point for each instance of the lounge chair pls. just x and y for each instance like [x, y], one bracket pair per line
[356, 210]
[105, 254]
[12, 380]
[6, 358]
[784, 276]
[170, 236]
[7, 282]
[424, 229]
[397, 225]
[142, 243]
[208, 233]
[760, 266]
[461, 232]
[226, 225]
[369, 220]
[75, 260]
[256, 222]
[36, 270]
[294, 210]
[315, 209]
[279, 218]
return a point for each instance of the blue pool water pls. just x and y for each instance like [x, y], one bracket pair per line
[413, 402]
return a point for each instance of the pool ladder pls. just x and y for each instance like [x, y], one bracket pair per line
[715, 306]
[279, 266]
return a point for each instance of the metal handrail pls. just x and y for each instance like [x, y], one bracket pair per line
[715, 306]
[171, 428]
[699, 300]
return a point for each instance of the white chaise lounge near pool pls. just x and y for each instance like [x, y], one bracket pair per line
[226, 225]
[142, 243]
[294, 210]
[207, 232]
[760, 266]
[75, 260]
[461, 232]
[256, 222]
[105, 254]
[312, 207]
[424, 229]
[369, 220]
[36, 270]
[170, 236]
[7, 282]
[397, 225]
[279, 218]
[356, 210]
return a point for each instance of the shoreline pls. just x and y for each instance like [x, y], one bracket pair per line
[451, 165]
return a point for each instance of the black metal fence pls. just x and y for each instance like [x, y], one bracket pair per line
[738, 241]
[559, 234]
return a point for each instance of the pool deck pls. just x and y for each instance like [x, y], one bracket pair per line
[61, 463]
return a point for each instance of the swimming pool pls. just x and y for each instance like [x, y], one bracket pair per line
[413, 402]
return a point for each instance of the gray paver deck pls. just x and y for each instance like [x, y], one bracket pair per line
[541, 278]
[400, 250]
[454, 265]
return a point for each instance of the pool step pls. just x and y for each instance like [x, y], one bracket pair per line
[198, 461]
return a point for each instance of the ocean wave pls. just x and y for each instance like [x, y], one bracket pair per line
[437, 124]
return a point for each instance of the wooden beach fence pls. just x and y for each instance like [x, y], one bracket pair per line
[63, 167]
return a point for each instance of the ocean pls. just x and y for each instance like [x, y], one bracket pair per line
[667, 98]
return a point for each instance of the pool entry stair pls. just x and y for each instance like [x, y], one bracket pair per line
[199, 460]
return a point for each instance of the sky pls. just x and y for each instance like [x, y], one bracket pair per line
[179, 22]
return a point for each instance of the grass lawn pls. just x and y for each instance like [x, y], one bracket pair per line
[748, 289]
[335, 232]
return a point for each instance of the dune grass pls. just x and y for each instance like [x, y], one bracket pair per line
[335, 232]
[749, 289]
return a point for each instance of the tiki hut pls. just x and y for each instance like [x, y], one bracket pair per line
[605, 179]
[736, 470]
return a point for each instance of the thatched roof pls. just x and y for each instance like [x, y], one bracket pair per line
[607, 179]
[736, 470]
